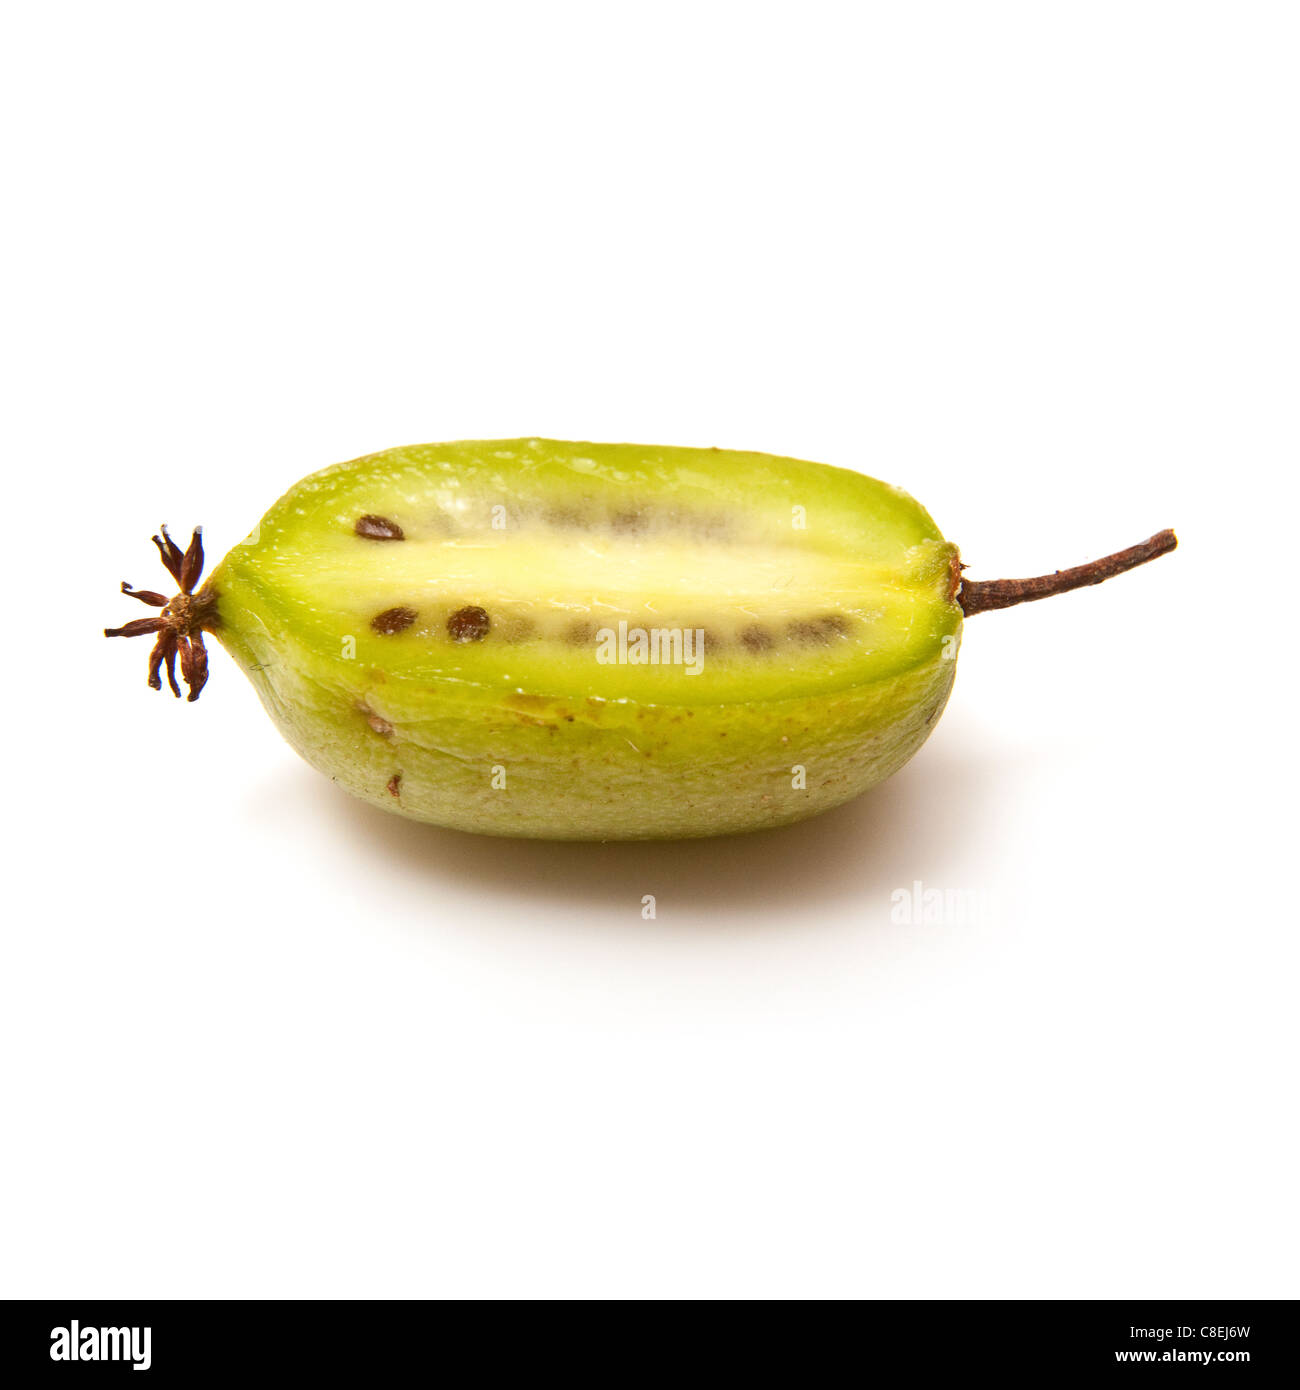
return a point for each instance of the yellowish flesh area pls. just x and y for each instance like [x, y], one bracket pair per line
[623, 577]
[815, 580]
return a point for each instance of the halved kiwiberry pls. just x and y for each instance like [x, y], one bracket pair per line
[532, 637]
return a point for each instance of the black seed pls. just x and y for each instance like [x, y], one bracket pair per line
[755, 638]
[580, 633]
[378, 528]
[393, 620]
[469, 624]
[817, 631]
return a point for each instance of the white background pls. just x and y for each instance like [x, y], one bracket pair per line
[1035, 263]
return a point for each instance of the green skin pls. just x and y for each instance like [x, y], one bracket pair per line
[526, 732]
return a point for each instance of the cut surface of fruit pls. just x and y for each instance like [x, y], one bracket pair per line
[510, 566]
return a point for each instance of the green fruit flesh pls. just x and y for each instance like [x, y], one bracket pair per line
[467, 634]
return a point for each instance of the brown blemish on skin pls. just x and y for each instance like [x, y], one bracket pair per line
[395, 784]
[755, 638]
[522, 700]
[469, 624]
[393, 620]
[378, 528]
[379, 724]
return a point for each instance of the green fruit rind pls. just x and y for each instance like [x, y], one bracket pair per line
[520, 729]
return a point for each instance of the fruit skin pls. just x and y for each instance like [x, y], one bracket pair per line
[578, 770]
[430, 727]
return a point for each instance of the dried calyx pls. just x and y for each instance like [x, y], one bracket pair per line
[181, 623]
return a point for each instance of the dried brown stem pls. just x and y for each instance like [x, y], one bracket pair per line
[980, 596]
